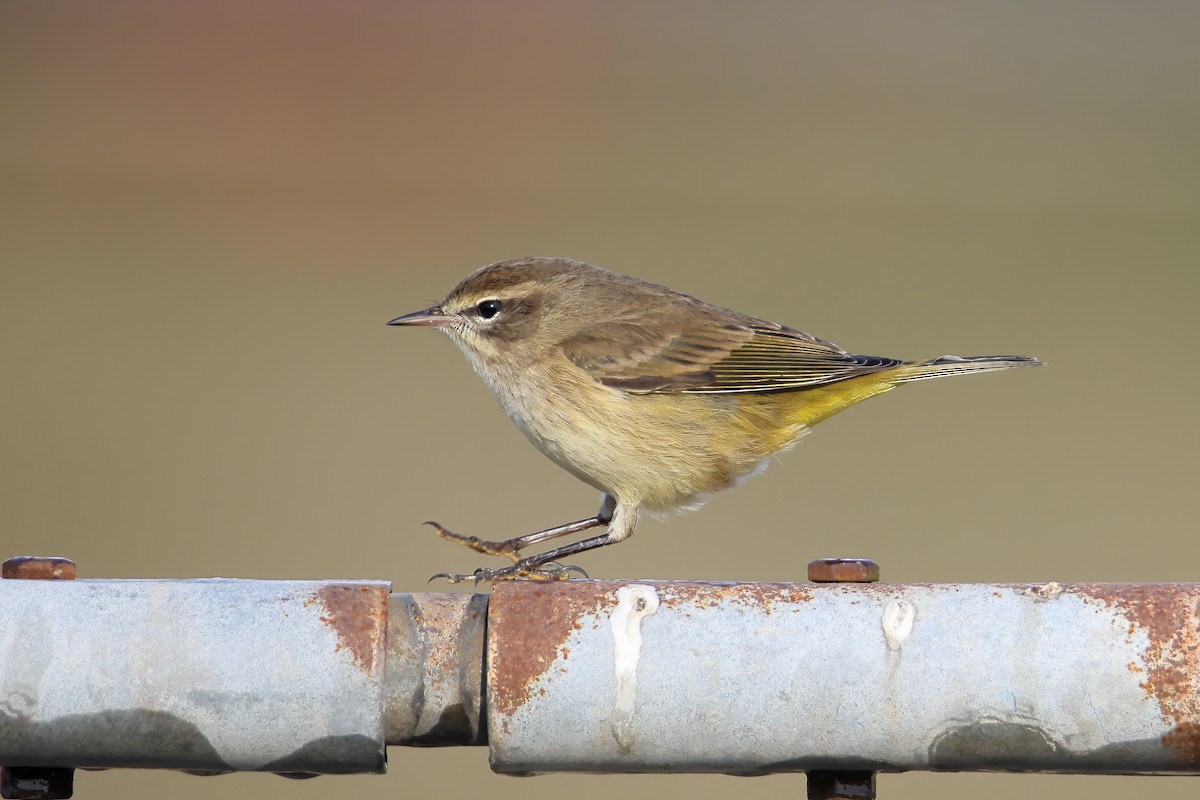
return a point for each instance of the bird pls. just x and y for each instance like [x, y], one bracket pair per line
[653, 397]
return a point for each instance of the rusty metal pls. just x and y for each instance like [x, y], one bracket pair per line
[41, 782]
[38, 568]
[353, 613]
[606, 676]
[434, 682]
[202, 675]
[1169, 622]
[843, 784]
[843, 570]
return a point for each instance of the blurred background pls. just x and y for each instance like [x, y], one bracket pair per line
[208, 211]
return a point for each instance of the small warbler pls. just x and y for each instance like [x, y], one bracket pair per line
[651, 396]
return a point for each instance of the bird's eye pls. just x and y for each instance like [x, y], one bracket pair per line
[488, 308]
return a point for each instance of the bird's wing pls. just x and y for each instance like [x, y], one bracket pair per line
[721, 356]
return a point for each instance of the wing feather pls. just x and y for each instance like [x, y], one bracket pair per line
[738, 354]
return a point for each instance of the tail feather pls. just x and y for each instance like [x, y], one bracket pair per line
[824, 401]
[959, 365]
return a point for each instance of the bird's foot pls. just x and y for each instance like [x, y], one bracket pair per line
[505, 549]
[523, 569]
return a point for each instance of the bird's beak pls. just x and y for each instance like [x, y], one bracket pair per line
[432, 317]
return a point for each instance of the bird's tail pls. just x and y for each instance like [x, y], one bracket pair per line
[820, 402]
[957, 365]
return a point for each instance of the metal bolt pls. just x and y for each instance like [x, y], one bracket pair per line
[843, 570]
[37, 783]
[39, 568]
[829, 784]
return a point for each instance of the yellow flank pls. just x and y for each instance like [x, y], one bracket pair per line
[810, 406]
[775, 420]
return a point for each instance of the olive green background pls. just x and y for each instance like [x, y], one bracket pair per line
[209, 210]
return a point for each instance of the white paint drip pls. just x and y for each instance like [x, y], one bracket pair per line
[898, 617]
[634, 602]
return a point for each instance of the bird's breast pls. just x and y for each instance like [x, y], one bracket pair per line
[660, 451]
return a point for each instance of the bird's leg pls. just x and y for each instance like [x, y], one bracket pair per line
[510, 548]
[545, 566]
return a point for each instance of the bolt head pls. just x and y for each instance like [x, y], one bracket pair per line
[39, 568]
[843, 570]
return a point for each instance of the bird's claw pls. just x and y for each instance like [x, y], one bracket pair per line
[550, 571]
[450, 577]
[565, 570]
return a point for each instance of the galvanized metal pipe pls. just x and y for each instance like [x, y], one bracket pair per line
[204, 675]
[605, 676]
[220, 675]
[294, 676]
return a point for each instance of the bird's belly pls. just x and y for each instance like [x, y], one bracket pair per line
[660, 452]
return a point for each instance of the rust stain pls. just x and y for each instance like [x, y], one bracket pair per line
[763, 596]
[1169, 616]
[1185, 739]
[529, 623]
[358, 615]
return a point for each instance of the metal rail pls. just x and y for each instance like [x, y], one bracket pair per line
[839, 679]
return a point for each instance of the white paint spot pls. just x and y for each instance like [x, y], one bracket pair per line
[898, 617]
[634, 602]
